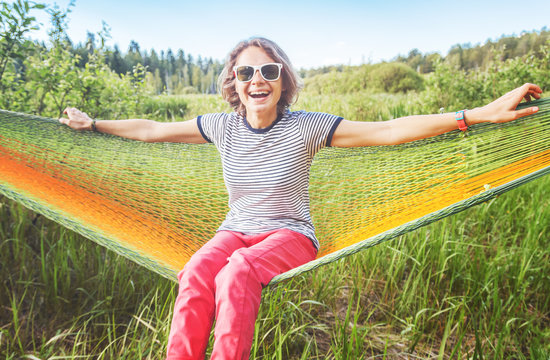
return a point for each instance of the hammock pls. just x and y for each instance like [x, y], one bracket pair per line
[157, 203]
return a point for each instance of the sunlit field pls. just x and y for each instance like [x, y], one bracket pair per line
[474, 285]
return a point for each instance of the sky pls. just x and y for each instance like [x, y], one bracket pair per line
[313, 33]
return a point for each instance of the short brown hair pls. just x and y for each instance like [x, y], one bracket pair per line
[292, 83]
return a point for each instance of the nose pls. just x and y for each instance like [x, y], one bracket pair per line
[257, 77]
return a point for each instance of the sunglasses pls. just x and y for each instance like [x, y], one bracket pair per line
[270, 72]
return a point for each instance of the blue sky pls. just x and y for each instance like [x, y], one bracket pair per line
[312, 32]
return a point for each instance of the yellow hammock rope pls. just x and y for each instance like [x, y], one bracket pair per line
[158, 203]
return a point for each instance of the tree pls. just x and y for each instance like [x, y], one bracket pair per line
[116, 61]
[15, 22]
[133, 57]
[153, 62]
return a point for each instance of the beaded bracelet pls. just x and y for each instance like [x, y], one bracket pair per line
[94, 128]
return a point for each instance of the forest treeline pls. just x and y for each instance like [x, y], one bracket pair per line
[406, 73]
[43, 77]
[464, 56]
[180, 73]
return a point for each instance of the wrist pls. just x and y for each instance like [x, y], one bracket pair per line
[474, 116]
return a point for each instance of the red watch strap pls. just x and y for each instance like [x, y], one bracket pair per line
[461, 120]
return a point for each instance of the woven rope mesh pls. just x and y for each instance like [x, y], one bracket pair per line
[158, 203]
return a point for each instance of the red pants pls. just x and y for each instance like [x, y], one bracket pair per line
[225, 279]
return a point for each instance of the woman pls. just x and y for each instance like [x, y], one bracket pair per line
[266, 153]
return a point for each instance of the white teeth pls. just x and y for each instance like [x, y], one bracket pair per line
[259, 93]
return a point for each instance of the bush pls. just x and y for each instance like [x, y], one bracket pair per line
[384, 77]
[395, 77]
[452, 88]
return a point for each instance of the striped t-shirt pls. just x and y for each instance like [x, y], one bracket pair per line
[266, 171]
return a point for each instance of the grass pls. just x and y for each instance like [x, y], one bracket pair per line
[472, 286]
[475, 285]
[63, 296]
[360, 106]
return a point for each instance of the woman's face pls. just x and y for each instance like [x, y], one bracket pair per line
[259, 96]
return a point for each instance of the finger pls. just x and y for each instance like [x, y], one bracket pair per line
[536, 88]
[526, 91]
[532, 95]
[532, 89]
[526, 111]
[536, 94]
[70, 111]
[516, 94]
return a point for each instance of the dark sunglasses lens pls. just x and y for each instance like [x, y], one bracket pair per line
[270, 72]
[245, 73]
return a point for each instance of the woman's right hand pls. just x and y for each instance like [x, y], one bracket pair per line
[77, 119]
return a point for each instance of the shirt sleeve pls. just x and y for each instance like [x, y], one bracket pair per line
[211, 126]
[317, 129]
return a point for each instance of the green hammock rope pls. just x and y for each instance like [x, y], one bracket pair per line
[157, 203]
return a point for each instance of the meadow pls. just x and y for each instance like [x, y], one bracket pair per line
[475, 285]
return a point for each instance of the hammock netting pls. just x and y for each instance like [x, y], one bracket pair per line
[158, 203]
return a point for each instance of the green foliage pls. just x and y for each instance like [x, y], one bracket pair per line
[165, 108]
[169, 74]
[395, 77]
[59, 289]
[452, 88]
[362, 106]
[45, 79]
[15, 22]
[468, 57]
[422, 63]
[385, 77]
[204, 104]
[54, 80]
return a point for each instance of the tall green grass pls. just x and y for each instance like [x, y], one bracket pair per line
[475, 285]
[183, 107]
[472, 286]
[361, 106]
[63, 296]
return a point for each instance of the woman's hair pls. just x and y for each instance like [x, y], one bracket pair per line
[291, 80]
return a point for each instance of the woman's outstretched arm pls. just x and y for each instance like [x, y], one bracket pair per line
[137, 129]
[410, 128]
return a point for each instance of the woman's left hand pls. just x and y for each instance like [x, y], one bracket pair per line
[503, 109]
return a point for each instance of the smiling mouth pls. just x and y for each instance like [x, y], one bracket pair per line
[258, 94]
